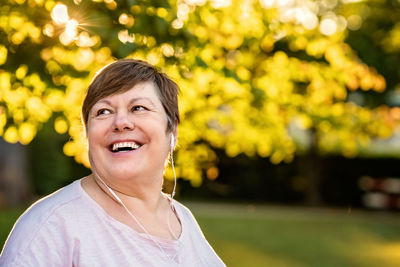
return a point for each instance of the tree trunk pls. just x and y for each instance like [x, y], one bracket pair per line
[311, 168]
[14, 182]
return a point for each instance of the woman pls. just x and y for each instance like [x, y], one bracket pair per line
[118, 215]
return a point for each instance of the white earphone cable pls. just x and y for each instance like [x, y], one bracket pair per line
[136, 219]
[173, 170]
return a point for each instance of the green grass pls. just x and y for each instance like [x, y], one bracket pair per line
[281, 236]
[247, 235]
[7, 220]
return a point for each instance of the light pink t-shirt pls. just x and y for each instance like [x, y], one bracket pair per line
[68, 228]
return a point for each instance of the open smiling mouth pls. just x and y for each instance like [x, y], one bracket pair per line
[124, 146]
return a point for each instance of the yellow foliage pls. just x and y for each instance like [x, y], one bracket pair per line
[3, 54]
[21, 71]
[60, 125]
[243, 73]
[3, 121]
[5, 81]
[38, 109]
[49, 5]
[277, 157]
[232, 149]
[162, 12]
[201, 33]
[325, 127]
[11, 135]
[55, 100]
[317, 47]
[17, 97]
[240, 90]
[70, 149]
[84, 59]
[16, 21]
[264, 148]
[27, 132]
[210, 20]
[338, 110]
[228, 26]
[53, 68]
[303, 121]
[18, 116]
[34, 81]
[82, 157]
[233, 41]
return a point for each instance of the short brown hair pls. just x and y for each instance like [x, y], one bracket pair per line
[122, 75]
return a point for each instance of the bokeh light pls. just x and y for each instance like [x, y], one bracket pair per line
[167, 50]
[125, 37]
[48, 30]
[126, 19]
[71, 28]
[328, 26]
[267, 3]
[354, 22]
[220, 3]
[60, 14]
[177, 24]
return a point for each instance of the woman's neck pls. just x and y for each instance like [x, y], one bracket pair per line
[147, 197]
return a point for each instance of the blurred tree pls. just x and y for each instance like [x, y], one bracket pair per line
[14, 190]
[265, 78]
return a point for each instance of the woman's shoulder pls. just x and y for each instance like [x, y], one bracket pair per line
[42, 225]
[46, 206]
[184, 211]
[179, 206]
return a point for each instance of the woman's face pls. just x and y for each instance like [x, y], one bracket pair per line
[127, 134]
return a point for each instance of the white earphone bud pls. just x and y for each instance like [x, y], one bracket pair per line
[172, 141]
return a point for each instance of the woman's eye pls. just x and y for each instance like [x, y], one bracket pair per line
[138, 108]
[103, 112]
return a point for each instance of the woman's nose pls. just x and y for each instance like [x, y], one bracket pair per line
[123, 123]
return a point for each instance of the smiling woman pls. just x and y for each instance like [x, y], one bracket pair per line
[117, 216]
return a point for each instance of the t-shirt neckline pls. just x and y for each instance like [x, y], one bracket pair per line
[163, 241]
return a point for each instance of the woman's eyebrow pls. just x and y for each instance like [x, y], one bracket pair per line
[133, 100]
[136, 99]
[104, 101]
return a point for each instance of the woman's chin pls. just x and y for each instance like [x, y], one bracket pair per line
[123, 174]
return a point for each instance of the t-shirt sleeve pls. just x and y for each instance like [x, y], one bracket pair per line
[37, 241]
[204, 250]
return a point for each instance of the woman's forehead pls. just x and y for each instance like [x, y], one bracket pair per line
[145, 91]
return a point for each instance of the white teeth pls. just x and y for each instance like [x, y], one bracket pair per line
[132, 145]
